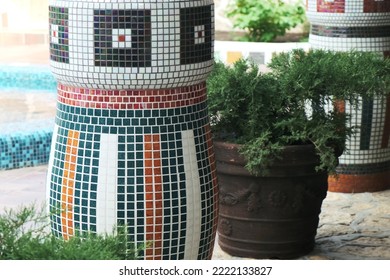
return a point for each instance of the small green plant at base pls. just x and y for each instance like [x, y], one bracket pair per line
[266, 19]
[25, 235]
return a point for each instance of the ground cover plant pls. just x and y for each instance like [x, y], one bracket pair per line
[25, 235]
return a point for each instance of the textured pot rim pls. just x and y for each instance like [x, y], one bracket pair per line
[286, 147]
[301, 158]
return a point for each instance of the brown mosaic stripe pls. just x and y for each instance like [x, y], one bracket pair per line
[153, 197]
[359, 183]
[132, 99]
[339, 105]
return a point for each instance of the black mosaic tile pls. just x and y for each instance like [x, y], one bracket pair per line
[122, 38]
[195, 35]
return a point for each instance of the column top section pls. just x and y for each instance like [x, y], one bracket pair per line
[131, 44]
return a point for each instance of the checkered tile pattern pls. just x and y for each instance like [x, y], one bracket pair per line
[132, 142]
[132, 44]
[350, 24]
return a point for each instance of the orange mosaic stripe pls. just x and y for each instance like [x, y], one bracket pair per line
[153, 197]
[211, 155]
[339, 105]
[67, 193]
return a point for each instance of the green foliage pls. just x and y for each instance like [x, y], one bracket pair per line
[266, 19]
[238, 93]
[293, 103]
[25, 235]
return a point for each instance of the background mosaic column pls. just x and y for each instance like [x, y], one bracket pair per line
[362, 25]
[132, 142]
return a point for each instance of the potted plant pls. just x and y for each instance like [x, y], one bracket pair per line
[277, 136]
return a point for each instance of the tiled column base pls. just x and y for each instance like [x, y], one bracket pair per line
[132, 142]
[362, 25]
[140, 158]
[343, 25]
[365, 167]
[354, 183]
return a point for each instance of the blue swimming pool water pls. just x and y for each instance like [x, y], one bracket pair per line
[27, 77]
[26, 142]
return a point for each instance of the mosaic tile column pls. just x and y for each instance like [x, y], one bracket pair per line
[132, 142]
[362, 25]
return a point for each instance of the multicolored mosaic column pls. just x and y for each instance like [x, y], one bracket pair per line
[362, 25]
[132, 142]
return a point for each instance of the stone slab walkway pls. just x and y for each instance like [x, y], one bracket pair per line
[352, 226]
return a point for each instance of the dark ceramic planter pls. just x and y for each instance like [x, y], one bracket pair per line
[272, 216]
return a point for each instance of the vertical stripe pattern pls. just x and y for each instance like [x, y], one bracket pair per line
[151, 170]
[127, 164]
[67, 196]
[153, 197]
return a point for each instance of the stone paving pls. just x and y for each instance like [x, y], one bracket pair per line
[352, 226]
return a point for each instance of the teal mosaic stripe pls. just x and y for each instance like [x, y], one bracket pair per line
[131, 127]
[127, 122]
[86, 182]
[85, 186]
[56, 181]
[130, 188]
[207, 191]
[174, 195]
